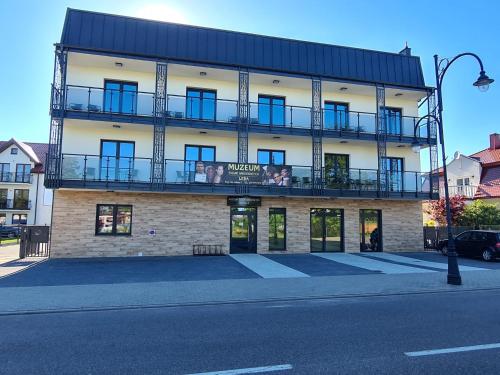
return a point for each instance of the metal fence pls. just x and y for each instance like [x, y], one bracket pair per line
[432, 235]
[35, 241]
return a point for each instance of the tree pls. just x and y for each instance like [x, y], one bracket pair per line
[480, 213]
[437, 209]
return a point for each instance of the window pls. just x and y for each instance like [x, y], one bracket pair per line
[394, 168]
[464, 236]
[200, 104]
[3, 198]
[393, 120]
[4, 172]
[336, 170]
[194, 153]
[271, 110]
[20, 219]
[3, 219]
[277, 229]
[21, 199]
[117, 160]
[23, 172]
[14, 150]
[120, 97]
[275, 157]
[336, 115]
[113, 219]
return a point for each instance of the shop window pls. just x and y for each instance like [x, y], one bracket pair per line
[113, 219]
[277, 229]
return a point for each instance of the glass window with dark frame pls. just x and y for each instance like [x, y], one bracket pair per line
[337, 171]
[21, 219]
[4, 172]
[194, 155]
[200, 104]
[271, 110]
[277, 229]
[117, 160]
[395, 172]
[336, 116]
[393, 120]
[120, 97]
[274, 157]
[23, 172]
[14, 151]
[113, 219]
[21, 199]
[3, 198]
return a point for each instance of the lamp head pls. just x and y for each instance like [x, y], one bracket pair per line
[483, 82]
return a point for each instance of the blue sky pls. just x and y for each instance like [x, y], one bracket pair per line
[28, 30]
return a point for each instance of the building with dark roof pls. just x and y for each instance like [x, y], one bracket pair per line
[216, 139]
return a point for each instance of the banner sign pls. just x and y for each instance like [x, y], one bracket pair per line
[242, 173]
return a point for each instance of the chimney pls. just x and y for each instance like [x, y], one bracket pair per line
[405, 51]
[494, 141]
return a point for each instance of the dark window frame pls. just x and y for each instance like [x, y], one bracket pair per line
[26, 172]
[117, 158]
[4, 172]
[335, 110]
[270, 151]
[120, 105]
[14, 151]
[27, 199]
[323, 213]
[271, 105]
[200, 151]
[115, 211]
[201, 90]
[19, 221]
[397, 110]
[283, 212]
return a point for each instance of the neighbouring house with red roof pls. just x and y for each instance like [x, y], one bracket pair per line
[489, 185]
[23, 196]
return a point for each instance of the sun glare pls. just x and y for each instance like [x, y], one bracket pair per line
[161, 12]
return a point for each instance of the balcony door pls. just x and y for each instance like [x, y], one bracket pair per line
[4, 172]
[23, 172]
[120, 97]
[337, 171]
[370, 227]
[327, 230]
[200, 104]
[394, 122]
[117, 160]
[271, 110]
[394, 170]
[336, 116]
[21, 199]
[3, 198]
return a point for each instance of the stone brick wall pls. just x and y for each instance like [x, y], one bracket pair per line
[183, 220]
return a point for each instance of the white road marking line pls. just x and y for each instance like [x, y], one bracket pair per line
[371, 264]
[419, 262]
[265, 267]
[249, 370]
[453, 350]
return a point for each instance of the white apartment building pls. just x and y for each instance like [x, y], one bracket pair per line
[23, 196]
[166, 136]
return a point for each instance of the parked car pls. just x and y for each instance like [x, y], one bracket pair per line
[475, 243]
[9, 231]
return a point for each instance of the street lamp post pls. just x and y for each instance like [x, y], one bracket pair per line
[482, 83]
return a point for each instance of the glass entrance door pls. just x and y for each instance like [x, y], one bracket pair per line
[243, 230]
[370, 228]
[327, 230]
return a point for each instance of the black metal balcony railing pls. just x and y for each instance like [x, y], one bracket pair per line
[94, 168]
[179, 107]
[17, 177]
[15, 204]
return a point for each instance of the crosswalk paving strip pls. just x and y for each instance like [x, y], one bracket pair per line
[265, 267]
[419, 262]
[371, 264]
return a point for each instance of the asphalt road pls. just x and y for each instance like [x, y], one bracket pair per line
[336, 336]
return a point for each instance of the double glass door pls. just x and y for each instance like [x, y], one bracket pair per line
[370, 230]
[394, 173]
[117, 161]
[120, 97]
[337, 171]
[327, 230]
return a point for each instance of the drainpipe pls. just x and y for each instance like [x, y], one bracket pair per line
[36, 196]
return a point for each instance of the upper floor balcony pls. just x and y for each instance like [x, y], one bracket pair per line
[16, 177]
[218, 177]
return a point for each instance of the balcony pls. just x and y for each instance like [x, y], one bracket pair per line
[133, 106]
[93, 171]
[468, 191]
[15, 177]
[15, 204]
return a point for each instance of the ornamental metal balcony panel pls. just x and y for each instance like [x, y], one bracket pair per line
[16, 177]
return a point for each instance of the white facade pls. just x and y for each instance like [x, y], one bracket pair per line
[37, 208]
[464, 176]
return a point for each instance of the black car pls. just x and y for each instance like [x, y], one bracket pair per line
[475, 243]
[9, 232]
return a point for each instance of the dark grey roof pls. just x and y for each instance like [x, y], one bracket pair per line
[162, 40]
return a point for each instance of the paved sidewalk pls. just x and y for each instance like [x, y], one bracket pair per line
[107, 296]
[10, 262]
